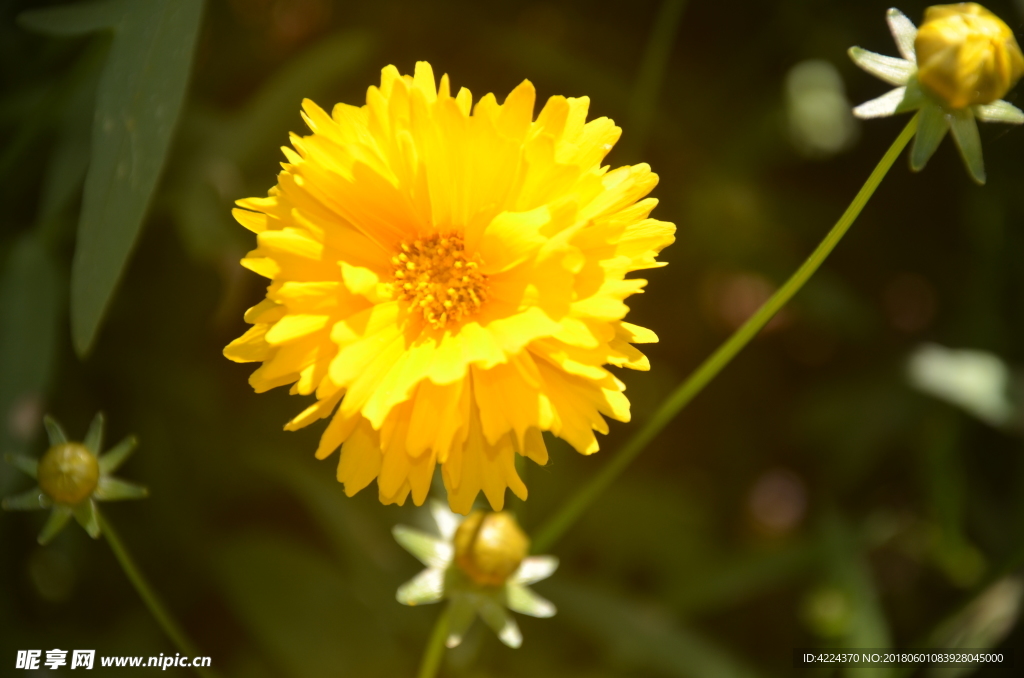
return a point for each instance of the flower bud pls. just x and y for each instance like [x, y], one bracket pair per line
[68, 473]
[489, 547]
[966, 55]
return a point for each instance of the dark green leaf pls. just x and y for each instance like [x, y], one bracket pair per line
[76, 19]
[137, 104]
[30, 308]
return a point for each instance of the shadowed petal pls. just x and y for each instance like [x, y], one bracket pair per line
[85, 514]
[24, 464]
[999, 111]
[891, 69]
[965, 133]
[55, 523]
[429, 550]
[523, 600]
[425, 588]
[94, 438]
[460, 616]
[54, 431]
[931, 128]
[27, 501]
[882, 106]
[117, 455]
[115, 489]
[903, 32]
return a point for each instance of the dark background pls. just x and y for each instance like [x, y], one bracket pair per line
[809, 497]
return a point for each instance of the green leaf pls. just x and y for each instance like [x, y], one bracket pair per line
[30, 307]
[75, 19]
[137, 104]
[848, 569]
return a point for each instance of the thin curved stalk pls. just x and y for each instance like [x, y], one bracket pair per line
[570, 512]
[149, 597]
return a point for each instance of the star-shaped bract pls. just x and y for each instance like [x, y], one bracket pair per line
[73, 477]
[935, 118]
[443, 579]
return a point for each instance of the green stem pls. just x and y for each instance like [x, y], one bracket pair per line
[570, 512]
[435, 647]
[644, 102]
[148, 595]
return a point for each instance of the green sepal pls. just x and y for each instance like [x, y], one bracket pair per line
[999, 111]
[883, 106]
[893, 70]
[425, 588]
[535, 568]
[965, 133]
[115, 489]
[59, 517]
[117, 455]
[31, 500]
[461, 613]
[931, 128]
[523, 600]
[94, 438]
[904, 32]
[429, 550]
[87, 516]
[54, 431]
[501, 622]
[24, 464]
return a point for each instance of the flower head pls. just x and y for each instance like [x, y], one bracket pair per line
[966, 55]
[954, 71]
[480, 565]
[449, 280]
[72, 477]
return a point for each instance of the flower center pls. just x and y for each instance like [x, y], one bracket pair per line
[436, 277]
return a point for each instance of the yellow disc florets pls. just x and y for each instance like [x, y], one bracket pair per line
[68, 473]
[439, 280]
[489, 547]
[966, 55]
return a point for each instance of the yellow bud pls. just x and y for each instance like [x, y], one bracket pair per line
[68, 473]
[966, 55]
[489, 547]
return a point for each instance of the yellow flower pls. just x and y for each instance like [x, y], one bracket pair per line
[449, 281]
[967, 55]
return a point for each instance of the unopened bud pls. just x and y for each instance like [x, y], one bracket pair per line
[489, 547]
[68, 473]
[966, 55]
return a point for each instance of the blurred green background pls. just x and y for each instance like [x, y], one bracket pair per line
[812, 496]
